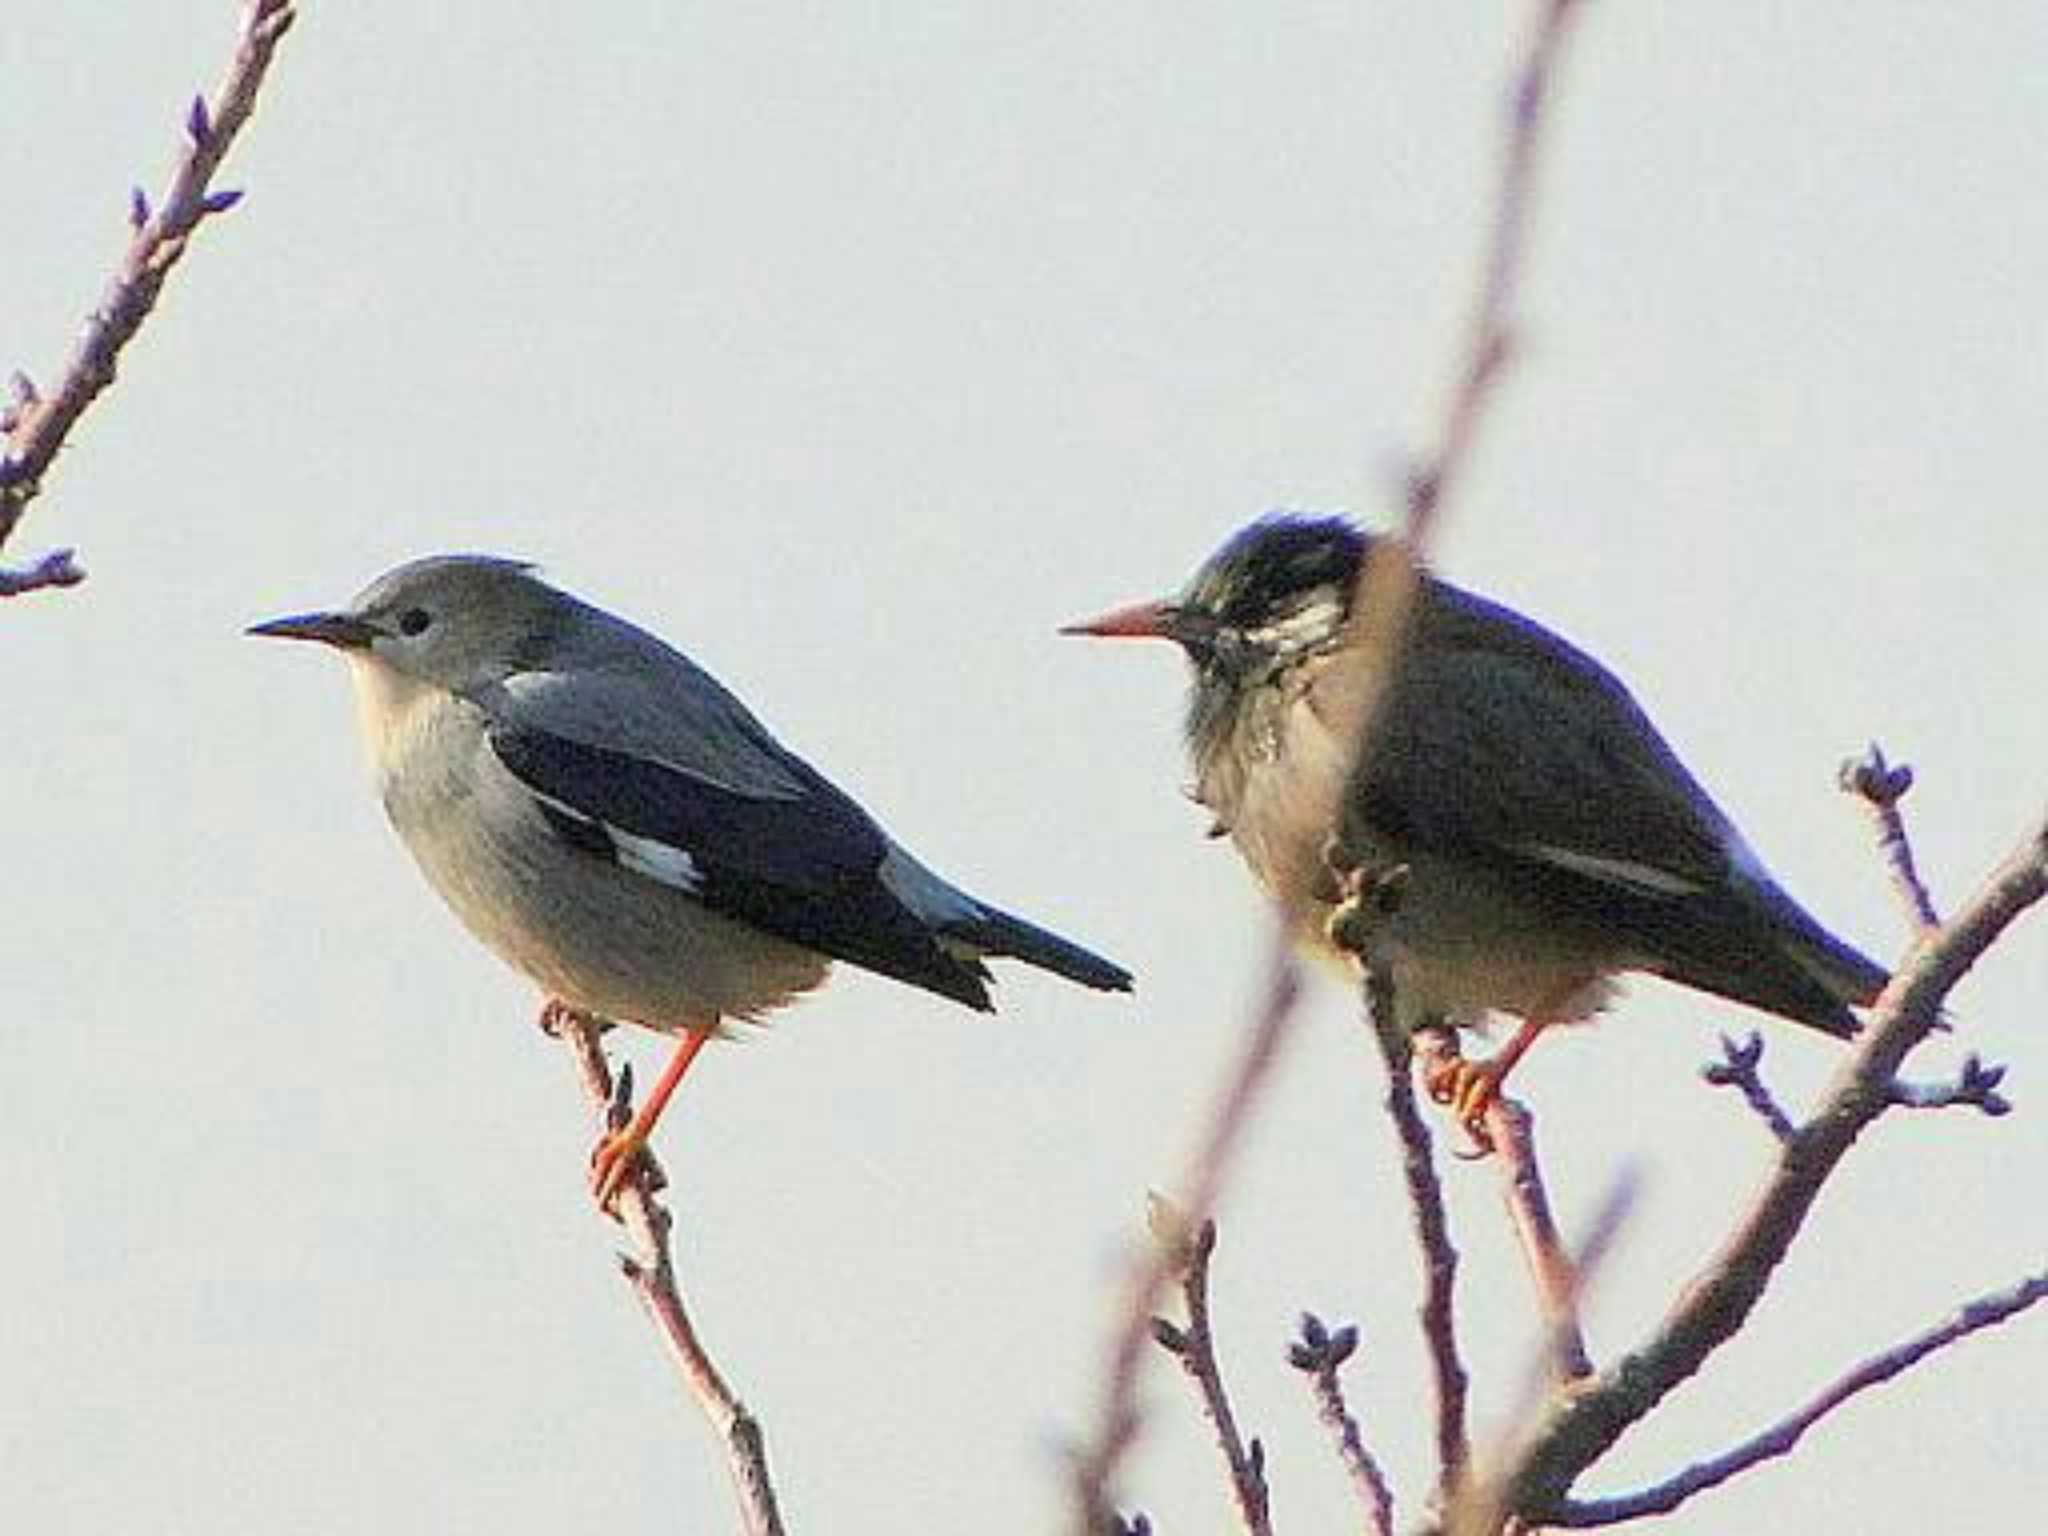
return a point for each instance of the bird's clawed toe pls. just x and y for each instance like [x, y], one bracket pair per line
[1468, 1089]
[618, 1156]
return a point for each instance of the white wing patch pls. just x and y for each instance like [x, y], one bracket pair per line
[1645, 879]
[649, 856]
[657, 860]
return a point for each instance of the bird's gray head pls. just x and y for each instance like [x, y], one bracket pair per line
[451, 621]
[1276, 592]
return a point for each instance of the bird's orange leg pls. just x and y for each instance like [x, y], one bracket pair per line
[612, 1159]
[1468, 1087]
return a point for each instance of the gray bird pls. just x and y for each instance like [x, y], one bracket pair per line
[621, 829]
[1550, 837]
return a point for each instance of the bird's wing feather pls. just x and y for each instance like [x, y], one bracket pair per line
[735, 820]
[816, 843]
[1498, 737]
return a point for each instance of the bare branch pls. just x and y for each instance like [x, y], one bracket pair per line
[1510, 1134]
[37, 425]
[1984, 1312]
[1881, 786]
[1116, 1420]
[1975, 1085]
[1319, 1354]
[651, 1273]
[59, 568]
[1490, 328]
[1512, 1129]
[1195, 1348]
[1579, 1430]
[1740, 1067]
[1432, 1233]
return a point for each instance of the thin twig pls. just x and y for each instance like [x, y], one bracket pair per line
[1490, 328]
[1432, 1233]
[651, 1273]
[1475, 1507]
[1195, 1347]
[1319, 1354]
[1778, 1440]
[1741, 1068]
[1881, 786]
[1512, 1130]
[36, 424]
[1974, 1086]
[1510, 1134]
[1116, 1419]
[1578, 1431]
[58, 568]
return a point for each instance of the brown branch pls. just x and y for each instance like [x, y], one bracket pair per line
[1319, 1354]
[1974, 1086]
[1116, 1419]
[650, 1270]
[1432, 1233]
[1578, 1431]
[1510, 1134]
[1778, 1440]
[58, 568]
[35, 426]
[1512, 1130]
[1195, 1347]
[1490, 328]
[1880, 786]
[1741, 1068]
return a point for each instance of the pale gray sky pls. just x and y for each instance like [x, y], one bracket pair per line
[853, 348]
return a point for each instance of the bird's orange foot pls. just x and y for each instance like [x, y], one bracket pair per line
[1468, 1089]
[614, 1160]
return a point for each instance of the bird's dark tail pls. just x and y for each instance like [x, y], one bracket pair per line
[1763, 949]
[997, 933]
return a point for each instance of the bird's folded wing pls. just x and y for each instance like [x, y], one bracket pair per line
[1501, 740]
[797, 859]
[690, 830]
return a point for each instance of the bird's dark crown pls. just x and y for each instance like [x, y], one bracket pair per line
[1269, 565]
[1276, 587]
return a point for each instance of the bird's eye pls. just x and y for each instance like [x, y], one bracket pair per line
[414, 621]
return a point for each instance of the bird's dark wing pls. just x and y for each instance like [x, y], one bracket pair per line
[1499, 736]
[801, 863]
[1501, 742]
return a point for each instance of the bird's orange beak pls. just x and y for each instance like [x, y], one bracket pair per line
[1138, 621]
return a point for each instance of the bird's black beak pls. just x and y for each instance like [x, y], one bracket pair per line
[1145, 621]
[344, 631]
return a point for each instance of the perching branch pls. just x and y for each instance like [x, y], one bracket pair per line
[1319, 1354]
[35, 425]
[1195, 1347]
[1781, 1437]
[1512, 1130]
[650, 1270]
[1510, 1134]
[1438, 1312]
[1576, 1432]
